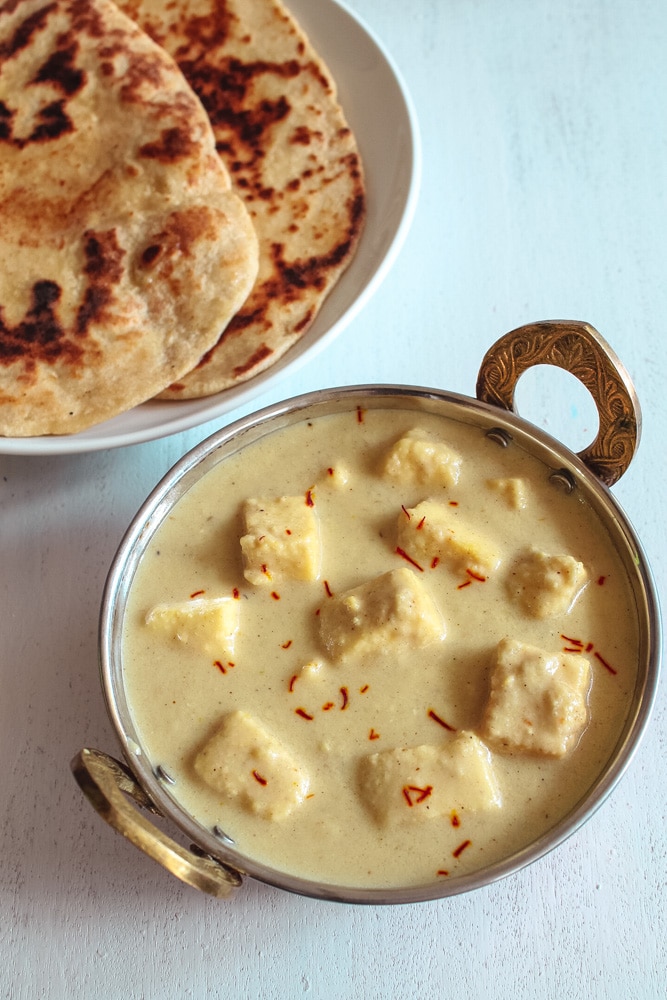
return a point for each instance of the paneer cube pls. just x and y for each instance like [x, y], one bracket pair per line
[208, 624]
[248, 765]
[537, 701]
[282, 540]
[512, 490]
[418, 458]
[393, 611]
[432, 534]
[429, 782]
[546, 585]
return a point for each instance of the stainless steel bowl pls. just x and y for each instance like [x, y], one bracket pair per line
[214, 864]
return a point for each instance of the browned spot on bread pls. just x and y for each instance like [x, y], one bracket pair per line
[86, 18]
[305, 322]
[39, 337]
[182, 230]
[6, 117]
[150, 254]
[53, 122]
[95, 298]
[144, 72]
[304, 135]
[24, 33]
[104, 256]
[224, 93]
[59, 69]
[205, 32]
[175, 144]
[260, 355]
[57, 73]
[243, 319]
[202, 33]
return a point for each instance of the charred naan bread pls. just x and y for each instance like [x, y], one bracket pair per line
[281, 133]
[124, 250]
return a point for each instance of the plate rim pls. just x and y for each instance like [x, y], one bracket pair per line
[198, 412]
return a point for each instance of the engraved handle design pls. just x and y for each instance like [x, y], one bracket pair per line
[579, 349]
[107, 783]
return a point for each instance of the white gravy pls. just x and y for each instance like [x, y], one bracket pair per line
[178, 696]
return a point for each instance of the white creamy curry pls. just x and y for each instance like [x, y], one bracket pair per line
[378, 649]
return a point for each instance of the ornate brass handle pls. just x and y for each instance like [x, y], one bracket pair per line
[107, 783]
[579, 349]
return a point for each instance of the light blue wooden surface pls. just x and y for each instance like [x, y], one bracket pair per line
[544, 195]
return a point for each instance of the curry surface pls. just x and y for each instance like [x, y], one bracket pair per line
[178, 696]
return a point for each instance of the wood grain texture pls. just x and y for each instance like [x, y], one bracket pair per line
[544, 196]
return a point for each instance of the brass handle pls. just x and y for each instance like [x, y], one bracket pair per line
[579, 349]
[106, 783]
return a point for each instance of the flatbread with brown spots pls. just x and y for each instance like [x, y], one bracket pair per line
[124, 250]
[282, 134]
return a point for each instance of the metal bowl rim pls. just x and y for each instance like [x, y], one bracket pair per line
[193, 465]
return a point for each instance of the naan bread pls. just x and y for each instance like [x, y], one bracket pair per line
[124, 250]
[281, 133]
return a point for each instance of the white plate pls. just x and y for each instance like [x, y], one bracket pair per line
[381, 115]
